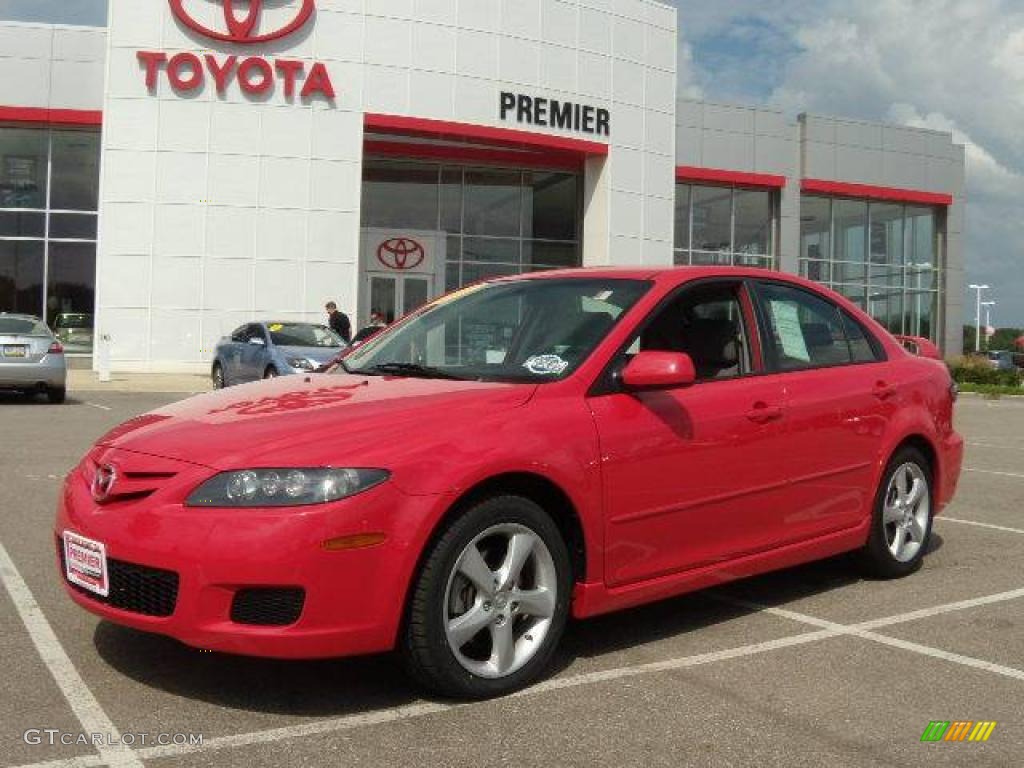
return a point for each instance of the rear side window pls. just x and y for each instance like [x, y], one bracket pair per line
[806, 331]
[863, 348]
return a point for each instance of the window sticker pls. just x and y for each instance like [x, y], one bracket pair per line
[546, 365]
[603, 296]
[787, 325]
[275, 327]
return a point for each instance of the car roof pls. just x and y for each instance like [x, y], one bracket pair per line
[666, 274]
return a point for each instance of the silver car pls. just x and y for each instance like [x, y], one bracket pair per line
[264, 350]
[31, 358]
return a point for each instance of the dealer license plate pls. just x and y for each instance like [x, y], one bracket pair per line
[86, 563]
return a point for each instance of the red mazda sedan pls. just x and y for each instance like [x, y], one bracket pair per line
[514, 453]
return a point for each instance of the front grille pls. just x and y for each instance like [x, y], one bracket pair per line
[272, 607]
[134, 588]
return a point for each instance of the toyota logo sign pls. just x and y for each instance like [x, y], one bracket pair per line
[401, 253]
[243, 26]
[103, 482]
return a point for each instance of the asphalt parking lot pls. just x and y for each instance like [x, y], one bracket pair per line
[808, 667]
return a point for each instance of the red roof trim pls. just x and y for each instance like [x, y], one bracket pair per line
[895, 194]
[721, 176]
[478, 155]
[43, 116]
[418, 126]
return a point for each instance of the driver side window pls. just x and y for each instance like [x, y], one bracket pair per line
[706, 323]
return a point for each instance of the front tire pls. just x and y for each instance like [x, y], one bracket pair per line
[270, 373]
[57, 395]
[490, 603]
[217, 376]
[901, 525]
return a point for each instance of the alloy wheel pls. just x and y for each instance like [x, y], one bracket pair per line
[905, 515]
[500, 600]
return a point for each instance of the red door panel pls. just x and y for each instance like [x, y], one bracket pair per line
[692, 476]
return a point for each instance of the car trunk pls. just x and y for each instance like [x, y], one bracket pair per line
[18, 348]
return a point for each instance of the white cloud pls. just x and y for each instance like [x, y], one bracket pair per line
[941, 64]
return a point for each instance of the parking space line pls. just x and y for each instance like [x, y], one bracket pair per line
[825, 629]
[97, 406]
[997, 445]
[994, 472]
[858, 630]
[81, 700]
[979, 525]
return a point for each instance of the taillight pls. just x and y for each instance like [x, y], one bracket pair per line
[55, 349]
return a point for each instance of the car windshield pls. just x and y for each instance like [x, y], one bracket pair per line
[303, 335]
[73, 321]
[22, 326]
[521, 330]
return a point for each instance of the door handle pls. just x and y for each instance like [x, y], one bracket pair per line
[884, 391]
[762, 413]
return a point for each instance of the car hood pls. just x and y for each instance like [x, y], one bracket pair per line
[315, 420]
[316, 354]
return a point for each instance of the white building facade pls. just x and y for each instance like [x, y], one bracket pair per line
[190, 168]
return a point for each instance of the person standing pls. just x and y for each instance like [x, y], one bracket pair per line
[339, 322]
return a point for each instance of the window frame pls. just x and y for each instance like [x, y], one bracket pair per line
[771, 360]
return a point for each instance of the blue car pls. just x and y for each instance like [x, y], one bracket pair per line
[264, 350]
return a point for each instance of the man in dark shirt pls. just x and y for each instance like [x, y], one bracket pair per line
[339, 322]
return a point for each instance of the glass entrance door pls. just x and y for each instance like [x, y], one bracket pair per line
[396, 295]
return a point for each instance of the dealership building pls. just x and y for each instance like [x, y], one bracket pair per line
[197, 165]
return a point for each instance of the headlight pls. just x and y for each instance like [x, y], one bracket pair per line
[301, 363]
[287, 487]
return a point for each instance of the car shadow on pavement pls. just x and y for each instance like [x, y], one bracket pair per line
[335, 687]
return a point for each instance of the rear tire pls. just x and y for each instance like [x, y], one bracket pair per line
[901, 524]
[490, 603]
[57, 395]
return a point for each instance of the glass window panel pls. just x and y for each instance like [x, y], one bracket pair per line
[805, 331]
[681, 258]
[850, 272]
[921, 279]
[22, 224]
[858, 294]
[383, 298]
[493, 203]
[23, 153]
[753, 221]
[851, 222]
[712, 217]
[75, 179]
[820, 271]
[885, 304]
[921, 240]
[415, 293]
[704, 259]
[72, 226]
[815, 227]
[490, 250]
[472, 273]
[400, 195]
[753, 260]
[682, 218]
[860, 347]
[21, 276]
[71, 293]
[451, 200]
[551, 207]
[919, 314]
[452, 276]
[886, 242]
[547, 254]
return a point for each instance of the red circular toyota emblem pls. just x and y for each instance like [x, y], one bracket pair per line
[401, 253]
[243, 26]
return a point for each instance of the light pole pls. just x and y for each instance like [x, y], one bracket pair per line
[988, 319]
[977, 316]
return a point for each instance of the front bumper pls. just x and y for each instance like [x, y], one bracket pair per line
[50, 372]
[353, 598]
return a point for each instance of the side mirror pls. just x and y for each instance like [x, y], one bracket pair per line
[652, 369]
[258, 341]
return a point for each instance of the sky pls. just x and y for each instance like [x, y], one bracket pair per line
[954, 65]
